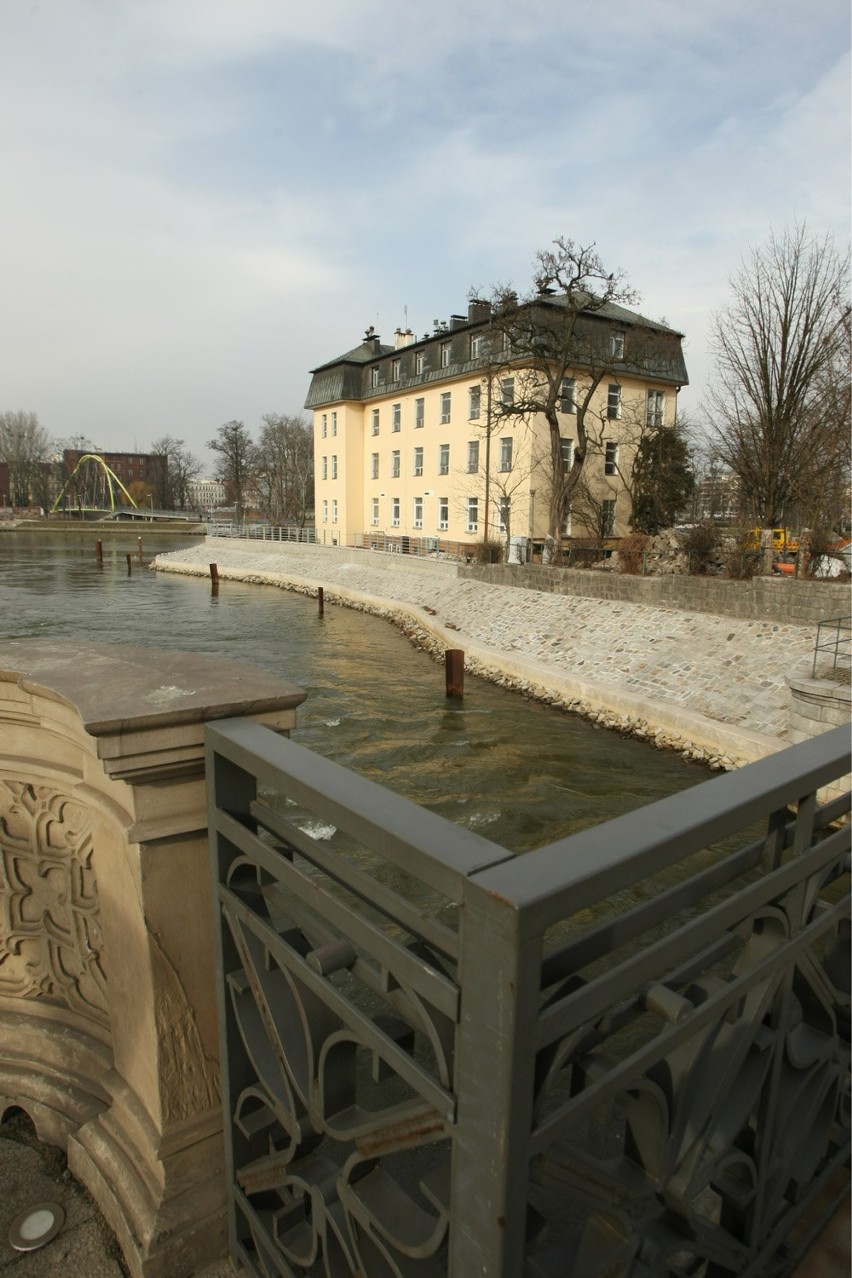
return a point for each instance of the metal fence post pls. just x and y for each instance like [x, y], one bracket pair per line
[499, 974]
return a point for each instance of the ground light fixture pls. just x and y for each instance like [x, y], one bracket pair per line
[36, 1226]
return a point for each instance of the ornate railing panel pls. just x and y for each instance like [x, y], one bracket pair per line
[626, 1053]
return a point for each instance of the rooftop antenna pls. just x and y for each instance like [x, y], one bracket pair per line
[405, 308]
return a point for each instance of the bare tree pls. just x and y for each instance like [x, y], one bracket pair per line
[285, 467]
[26, 448]
[561, 341]
[781, 393]
[236, 461]
[174, 468]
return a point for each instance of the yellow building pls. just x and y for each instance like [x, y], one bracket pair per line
[442, 438]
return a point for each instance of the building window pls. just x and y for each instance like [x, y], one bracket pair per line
[325, 512]
[474, 400]
[334, 465]
[504, 507]
[610, 457]
[375, 421]
[656, 408]
[418, 461]
[473, 456]
[419, 412]
[506, 453]
[616, 345]
[395, 512]
[374, 465]
[324, 425]
[613, 401]
[443, 514]
[477, 346]
[420, 361]
[396, 370]
[472, 514]
[418, 512]
[567, 401]
[565, 527]
[608, 518]
[507, 392]
[445, 407]
[567, 447]
[334, 423]
[334, 512]
[374, 377]
[395, 464]
[324, 467]
[396, 417]
[445, 355]
[374, 518]
[444, 459]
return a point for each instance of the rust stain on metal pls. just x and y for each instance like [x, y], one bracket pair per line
[400, 1135]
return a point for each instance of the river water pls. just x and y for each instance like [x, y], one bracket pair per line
[519, 773]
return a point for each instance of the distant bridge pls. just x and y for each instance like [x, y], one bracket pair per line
[92, 488]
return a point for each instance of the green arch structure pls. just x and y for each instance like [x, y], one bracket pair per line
[112, 481]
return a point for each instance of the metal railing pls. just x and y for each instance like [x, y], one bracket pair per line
[262, 532]
[832, 647]
[624, 1053]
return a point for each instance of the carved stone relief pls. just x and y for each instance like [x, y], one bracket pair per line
[51, 944]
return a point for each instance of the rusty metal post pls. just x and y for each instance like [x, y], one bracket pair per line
[320, 600]
[454, 671]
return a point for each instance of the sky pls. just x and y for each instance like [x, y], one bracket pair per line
[202, 200]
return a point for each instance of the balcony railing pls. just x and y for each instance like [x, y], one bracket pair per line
[833, 647]
[624, 1053]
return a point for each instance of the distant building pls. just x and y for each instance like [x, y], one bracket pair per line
[130, 468]
[205, 493]
[420, 439]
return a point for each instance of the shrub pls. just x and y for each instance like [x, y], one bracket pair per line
[740, 555]
[630, 552]
[489, 552]
[701, 544]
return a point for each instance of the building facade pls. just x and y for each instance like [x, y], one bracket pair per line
[430, 437]
[205, 494]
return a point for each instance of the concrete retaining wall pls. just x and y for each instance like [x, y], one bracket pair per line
[781, 599]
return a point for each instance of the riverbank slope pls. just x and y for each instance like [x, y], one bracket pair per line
[713, 687]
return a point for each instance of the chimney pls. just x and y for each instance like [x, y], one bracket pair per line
[456, 321]
[477, 309]
[402, 337]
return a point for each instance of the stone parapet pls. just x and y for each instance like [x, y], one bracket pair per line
[108, 1034]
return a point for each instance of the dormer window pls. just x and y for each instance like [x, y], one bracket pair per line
[374, 376]
[420, 361]
[396, 370]
[445, 355]
[616, 345]
[477, 346]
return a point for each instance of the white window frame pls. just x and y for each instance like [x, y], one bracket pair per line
[334, 423]
[324, 428]
[419, 413]
[613, 401]
[507, 392]
[504, 512]
[324, 468]
[472, 509]
[418, 512]
[418, 461]
[396, 418]
[419, 362]
[325, 511]
[374, 465]
[477, 345]
[446, 407]
[443, 514]
[334, 465]
[446, 351]
[374, 376]
[655, 408]
[334, 510]
[566, 447]
[568, 395]
[616, 345]
[374, 428]
[610, 457]
[394, 512]
[396, 370]
[507, 445]
[473, 456]
[374, 518]
[443, 459]
[395, 461]
[474, 403]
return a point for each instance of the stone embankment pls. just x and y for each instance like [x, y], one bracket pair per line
[713, 687]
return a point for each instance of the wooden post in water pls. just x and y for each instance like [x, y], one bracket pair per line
[99, 551]
[320, 600]
[214, 578]
[127, 557]
[139, 544]
[454, 671]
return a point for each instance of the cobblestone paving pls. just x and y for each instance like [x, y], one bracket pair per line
[731, 670]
